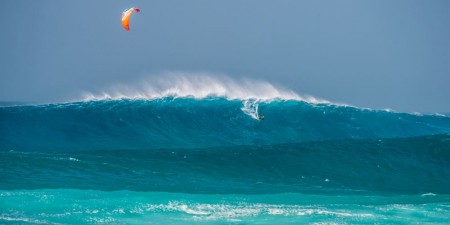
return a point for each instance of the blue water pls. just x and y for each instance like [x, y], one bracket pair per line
[208, 161]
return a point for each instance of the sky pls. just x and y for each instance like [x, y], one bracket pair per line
[377, 54]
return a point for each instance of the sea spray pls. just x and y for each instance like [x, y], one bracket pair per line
[197, 86]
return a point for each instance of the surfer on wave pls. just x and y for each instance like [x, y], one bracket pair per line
[261, 117]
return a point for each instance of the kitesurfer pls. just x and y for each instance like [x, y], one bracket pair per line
[261, 117]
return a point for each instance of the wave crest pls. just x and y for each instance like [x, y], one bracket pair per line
[198, 86]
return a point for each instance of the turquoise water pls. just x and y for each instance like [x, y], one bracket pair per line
[72, 206]
[182, 161]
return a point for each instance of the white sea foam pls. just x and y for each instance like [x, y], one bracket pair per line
[24, 220]
[242, 210]
[250, 107]
[198, 86]
[428, 194]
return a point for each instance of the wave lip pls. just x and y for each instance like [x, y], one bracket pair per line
[199, 86]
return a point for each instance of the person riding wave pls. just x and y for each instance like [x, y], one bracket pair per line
[261, 117]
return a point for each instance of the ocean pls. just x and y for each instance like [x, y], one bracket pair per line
[210, 160]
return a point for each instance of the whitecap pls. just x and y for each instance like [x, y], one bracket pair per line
[428, 194]
[198, 86]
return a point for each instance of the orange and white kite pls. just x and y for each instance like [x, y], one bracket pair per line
[126, 17]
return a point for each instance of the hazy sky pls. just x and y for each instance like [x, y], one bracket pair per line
[379, 54]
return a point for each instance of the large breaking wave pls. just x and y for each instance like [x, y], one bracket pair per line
[198, 123]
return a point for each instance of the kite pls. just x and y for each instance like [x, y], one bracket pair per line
[126, 15]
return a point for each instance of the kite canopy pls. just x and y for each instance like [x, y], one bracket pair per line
[126, 17]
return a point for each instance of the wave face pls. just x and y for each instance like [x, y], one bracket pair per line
[192, 123]
[210, 160]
